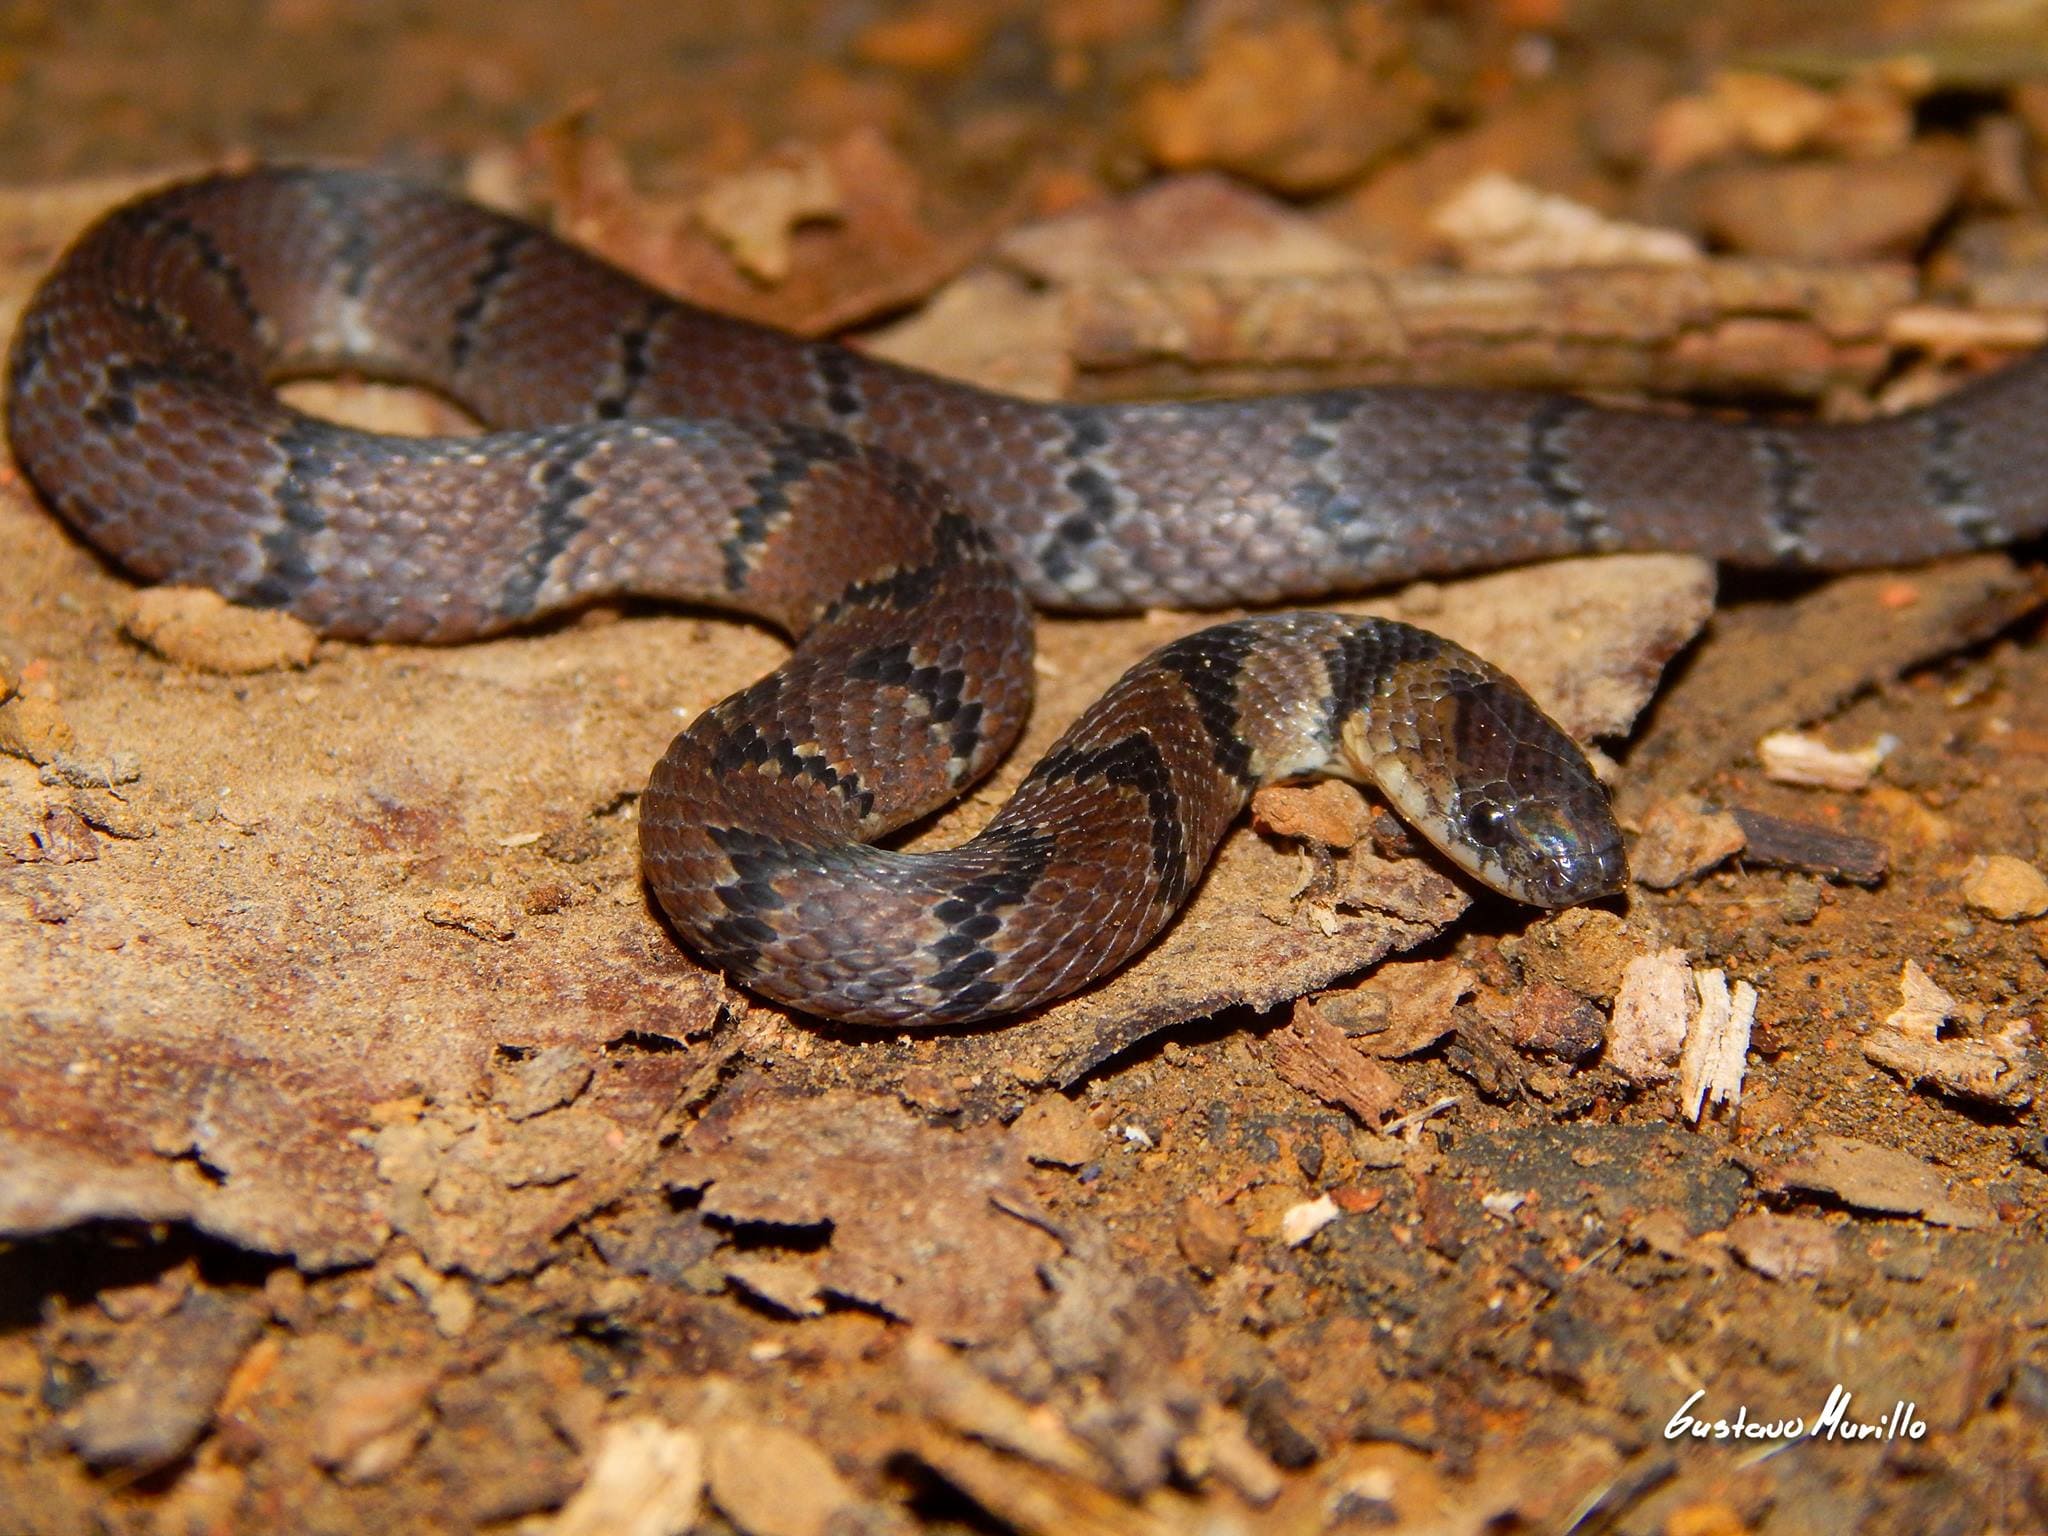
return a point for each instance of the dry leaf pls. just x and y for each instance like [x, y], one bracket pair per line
[1874, 1178]
[916, 1230]
[755, 213]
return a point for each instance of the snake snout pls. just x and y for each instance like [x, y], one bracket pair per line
[1561, 851]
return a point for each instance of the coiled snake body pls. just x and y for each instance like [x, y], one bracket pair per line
[895, 523]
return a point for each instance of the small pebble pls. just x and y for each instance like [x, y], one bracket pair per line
[1329, 812]
[35, 729]
[771, 1481]
[1884, 206]
[1801, 901]
[1682, 839]
[1784, 1247]
[1299, 1223]
[2005, 888]
[1056, 1130]
[201, 629]
[1208, 1235]
[1554, 1021]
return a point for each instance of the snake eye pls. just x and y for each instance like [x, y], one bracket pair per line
[1487, 824]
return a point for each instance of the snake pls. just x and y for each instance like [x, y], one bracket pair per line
[901, 528]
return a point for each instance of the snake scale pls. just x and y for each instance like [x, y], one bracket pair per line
[895, 525]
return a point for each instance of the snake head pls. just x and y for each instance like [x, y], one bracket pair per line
[1471, 762]
[1545, 844]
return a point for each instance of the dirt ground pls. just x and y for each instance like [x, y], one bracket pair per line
[372, 1159]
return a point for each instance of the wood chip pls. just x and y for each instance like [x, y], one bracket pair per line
[1995, 1069]
[1714, 329]
[1780, 843]
[1038, 1501]
[1791, 757]
[1716, 1045]
[1316, 1056]
[1221, 1446]
[949, 1389]
[1923, 1006]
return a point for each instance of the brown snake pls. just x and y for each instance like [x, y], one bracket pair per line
[894, 523]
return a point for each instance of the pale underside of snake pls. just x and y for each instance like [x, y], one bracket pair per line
[895, 524]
